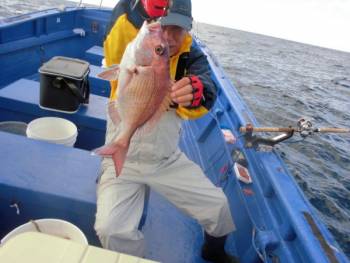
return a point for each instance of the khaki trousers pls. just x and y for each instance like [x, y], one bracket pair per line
[155, 160]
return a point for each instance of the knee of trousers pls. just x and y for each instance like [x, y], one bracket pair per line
[220, 218]
[129, 242]
[106, 229]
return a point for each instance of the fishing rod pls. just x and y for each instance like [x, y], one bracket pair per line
[304, 128]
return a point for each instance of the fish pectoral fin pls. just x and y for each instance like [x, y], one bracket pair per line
[132, 70]
[110, 74]
[140, 70]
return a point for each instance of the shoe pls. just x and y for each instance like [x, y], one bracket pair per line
[213, 250]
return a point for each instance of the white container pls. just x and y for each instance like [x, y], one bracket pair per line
[54, 227]
[53, 129]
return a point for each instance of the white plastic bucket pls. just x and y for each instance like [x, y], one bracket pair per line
[54, 227]
[53, 129]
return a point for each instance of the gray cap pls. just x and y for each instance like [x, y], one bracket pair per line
[179, 14]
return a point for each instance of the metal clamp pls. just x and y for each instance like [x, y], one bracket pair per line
[253, 141]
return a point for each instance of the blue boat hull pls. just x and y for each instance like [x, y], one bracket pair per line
[275, 222]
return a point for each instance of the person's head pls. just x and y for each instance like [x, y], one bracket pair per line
[176, 24]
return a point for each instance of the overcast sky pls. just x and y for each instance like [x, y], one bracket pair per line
[323, 23]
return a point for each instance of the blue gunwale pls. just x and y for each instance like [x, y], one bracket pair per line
[272, 219]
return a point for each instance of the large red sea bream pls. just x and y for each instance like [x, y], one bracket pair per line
[143, 92]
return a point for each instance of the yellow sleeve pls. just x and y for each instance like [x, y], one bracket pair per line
[122, 33]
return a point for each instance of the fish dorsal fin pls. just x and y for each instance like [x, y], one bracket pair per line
[110, 74]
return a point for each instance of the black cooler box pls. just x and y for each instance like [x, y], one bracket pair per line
[64, 84]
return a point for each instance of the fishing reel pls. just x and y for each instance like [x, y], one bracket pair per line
[304, 127]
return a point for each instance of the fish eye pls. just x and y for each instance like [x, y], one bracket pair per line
[159, 50]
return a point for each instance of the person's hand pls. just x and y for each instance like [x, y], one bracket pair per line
[187, 92]
[182, 92]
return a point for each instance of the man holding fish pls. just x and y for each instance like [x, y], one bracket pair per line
[163, 78]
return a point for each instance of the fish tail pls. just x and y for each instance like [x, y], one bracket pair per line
[119, 157]
[117, 150]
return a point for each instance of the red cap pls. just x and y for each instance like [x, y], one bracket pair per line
[155, 8]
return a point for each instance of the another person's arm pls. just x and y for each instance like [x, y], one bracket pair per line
[122, 29]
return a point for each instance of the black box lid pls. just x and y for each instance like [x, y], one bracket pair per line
[66, 67]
